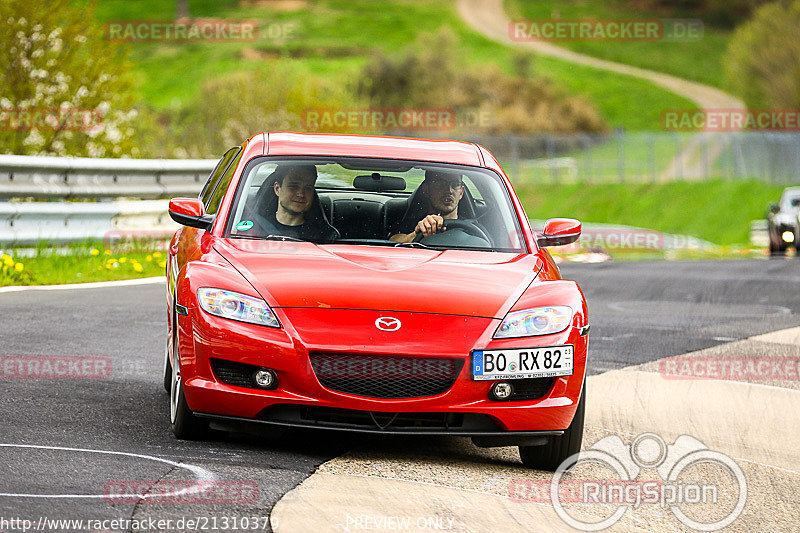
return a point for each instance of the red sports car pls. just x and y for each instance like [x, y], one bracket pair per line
[378, 285]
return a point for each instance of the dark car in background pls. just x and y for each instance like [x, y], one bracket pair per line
[782, 222]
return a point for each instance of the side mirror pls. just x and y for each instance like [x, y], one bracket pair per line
[774, 208]
[190, 212]
[559, 231]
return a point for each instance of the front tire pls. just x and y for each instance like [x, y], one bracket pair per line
[551, 455]
[184, 424]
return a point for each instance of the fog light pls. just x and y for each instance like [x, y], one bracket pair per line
[502, 390]
[265, 378]
[787, 236]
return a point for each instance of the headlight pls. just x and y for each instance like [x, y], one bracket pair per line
[235, 306]
[535, 321]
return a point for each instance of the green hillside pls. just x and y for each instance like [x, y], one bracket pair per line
[695, 59]
[334, 39]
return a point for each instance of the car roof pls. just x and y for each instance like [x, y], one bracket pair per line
[330, 144]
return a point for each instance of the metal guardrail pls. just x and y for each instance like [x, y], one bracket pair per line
[27, 223]
[77, 177]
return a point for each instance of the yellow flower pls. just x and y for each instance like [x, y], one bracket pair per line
[18, 267]
[7, 259]
[137, 267]
[149, 258]
[123, 259]
[95, 251]
[162, 264]
[107, 252]
[156, 254]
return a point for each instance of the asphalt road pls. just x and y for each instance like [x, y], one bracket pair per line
[639, 312]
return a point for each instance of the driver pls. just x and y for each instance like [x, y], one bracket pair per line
[443, 190]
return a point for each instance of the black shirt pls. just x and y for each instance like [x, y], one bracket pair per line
[314, 229]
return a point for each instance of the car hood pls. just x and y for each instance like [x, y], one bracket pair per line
[455, 282]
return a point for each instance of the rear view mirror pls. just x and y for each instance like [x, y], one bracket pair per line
[379, 183]
[559, 231]
[190, 212]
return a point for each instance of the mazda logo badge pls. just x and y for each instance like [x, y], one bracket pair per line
[388, 323]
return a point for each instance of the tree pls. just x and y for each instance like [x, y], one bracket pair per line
[66, 90]
[762, 63]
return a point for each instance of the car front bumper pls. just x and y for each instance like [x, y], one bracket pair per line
[300, 400]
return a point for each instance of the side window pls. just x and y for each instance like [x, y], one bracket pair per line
[223, 183]
[216, 174]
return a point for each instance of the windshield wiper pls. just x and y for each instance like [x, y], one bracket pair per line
[413, 245]
[268, 238]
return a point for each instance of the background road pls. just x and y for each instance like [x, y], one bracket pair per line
[639, 312]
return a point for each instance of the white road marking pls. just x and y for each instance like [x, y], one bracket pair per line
[200, 473]
[94, 285]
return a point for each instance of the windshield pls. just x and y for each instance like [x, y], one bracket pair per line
[790, 200]
[375, 202]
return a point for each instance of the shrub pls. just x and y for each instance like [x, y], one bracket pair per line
[761, 63]
[56, 63]
[431, 75]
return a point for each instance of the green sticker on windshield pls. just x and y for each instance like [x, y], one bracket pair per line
[244, 225]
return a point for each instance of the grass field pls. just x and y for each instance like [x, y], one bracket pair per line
[699, 60]
[334, 38]
[717, 211]
[78, 263]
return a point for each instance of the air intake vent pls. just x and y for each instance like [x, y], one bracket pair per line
[385, 376]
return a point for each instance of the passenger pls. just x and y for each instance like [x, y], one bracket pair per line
[442, 191]
[298, 213]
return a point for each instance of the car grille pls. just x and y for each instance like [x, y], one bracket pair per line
[385, 376]
[232, 373]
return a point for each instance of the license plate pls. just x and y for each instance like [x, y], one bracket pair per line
[541, 362]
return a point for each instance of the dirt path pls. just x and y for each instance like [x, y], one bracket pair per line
[488, 18]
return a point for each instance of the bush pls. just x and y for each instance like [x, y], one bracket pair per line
[431, 75]
[57, 67]
[231, 109]
[761, 63]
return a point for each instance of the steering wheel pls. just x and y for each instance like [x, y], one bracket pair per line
[467, 226]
